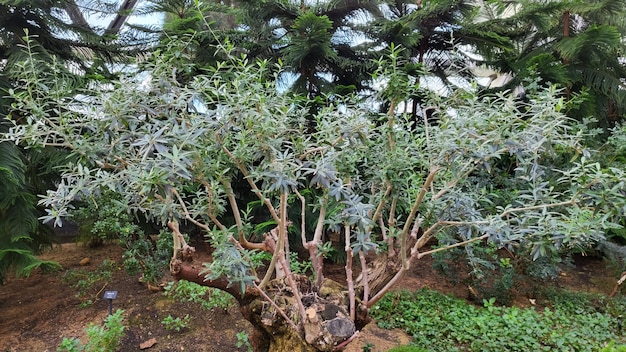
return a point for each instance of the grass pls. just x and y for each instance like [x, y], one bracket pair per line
[573, 322]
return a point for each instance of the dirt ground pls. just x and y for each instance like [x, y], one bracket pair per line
[37, 312]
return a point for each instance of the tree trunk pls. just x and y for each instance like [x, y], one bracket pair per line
[326, 325]
[275, 313]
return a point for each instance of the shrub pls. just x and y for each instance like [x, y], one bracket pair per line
[104, 218]
[99, 338]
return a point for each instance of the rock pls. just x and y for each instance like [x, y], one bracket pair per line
[341, 328]
[147, 344]
[85, 261]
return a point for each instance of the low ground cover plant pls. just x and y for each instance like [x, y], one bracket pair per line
[90, 283]
[207, 297]
[572, 322]
[177, 323]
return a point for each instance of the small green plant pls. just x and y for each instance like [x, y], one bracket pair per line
[297, 266]
[89, 283]
[207, 297]
[368, 347]
[243, 341]
[99, 338]
[177, 323]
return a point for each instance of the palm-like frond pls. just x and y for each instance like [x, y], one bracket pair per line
[18, 215]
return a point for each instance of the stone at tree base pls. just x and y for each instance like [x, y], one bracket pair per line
[340, 328]
[147, 344]
[326, 322]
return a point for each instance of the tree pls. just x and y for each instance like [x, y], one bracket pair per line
[316, 42]
[577, 44]
[380, 191]
[83, 53]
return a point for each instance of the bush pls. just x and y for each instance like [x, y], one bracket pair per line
[149, 258]
[104, 218]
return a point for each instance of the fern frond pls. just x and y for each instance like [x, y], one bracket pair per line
[605, 83]
[595, 39]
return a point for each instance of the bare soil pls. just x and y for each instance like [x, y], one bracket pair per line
[37, 312]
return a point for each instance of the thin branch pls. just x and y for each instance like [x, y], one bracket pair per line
[248, 179]
[279, 250]
[366, 286]
[452, 184]
[187, 214]
[345, 343]
[210, 212]
[382, 203]
[312, 246]
[235, 208]
[412, 213]
[294, 288]
[539, 206]
[390, 113]
[319, 227]
[302, 218]
[459, 244]
[387, 286]
[426, 132]
[348, 267]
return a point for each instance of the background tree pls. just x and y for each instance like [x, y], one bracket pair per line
[59, 35]
[577, 44]
[382, 189]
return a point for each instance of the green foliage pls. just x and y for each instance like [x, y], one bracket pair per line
[297, 266]
[207, 297]
[611, 347]
[176, 323]
[104, 218]
[368, 347]
[99, 338]
[89, 283]
[21, 234]
[573, 322]
[147, 256]
[408, 349]
[243, 341]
